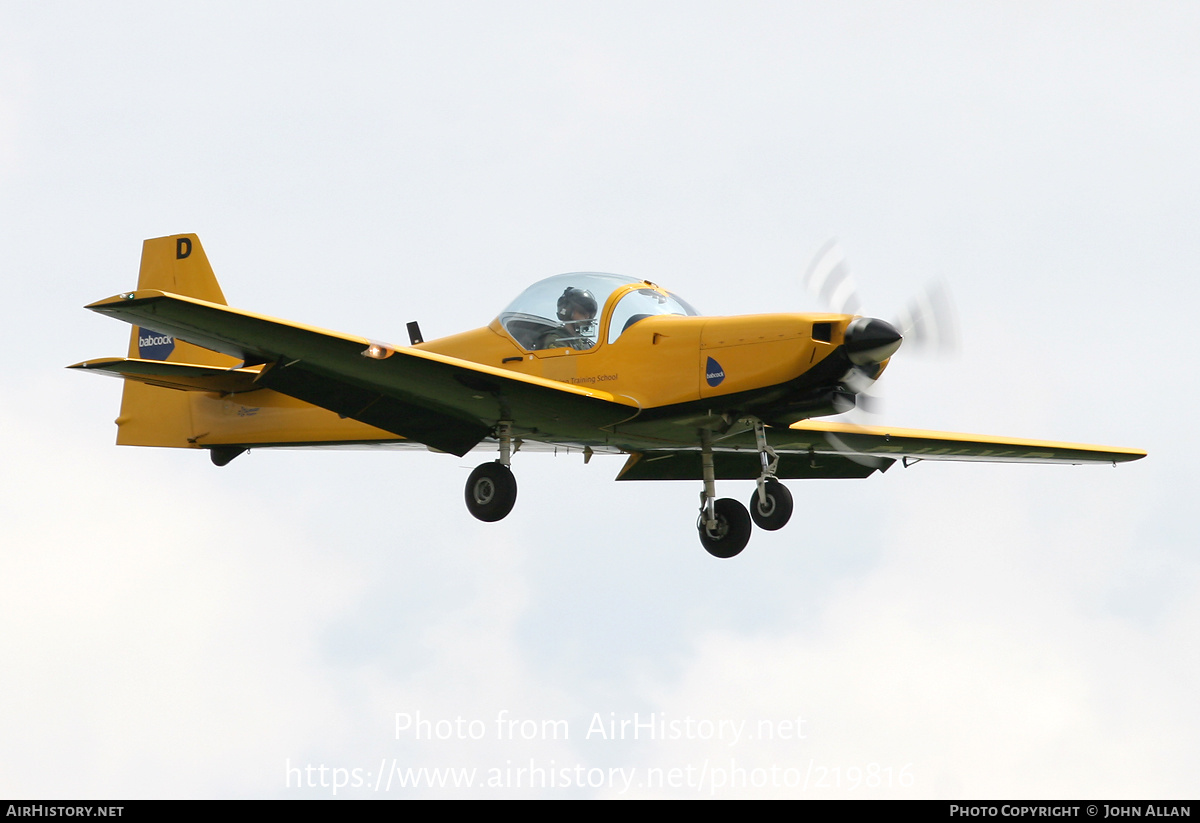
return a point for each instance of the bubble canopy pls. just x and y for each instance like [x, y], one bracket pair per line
[567, 310]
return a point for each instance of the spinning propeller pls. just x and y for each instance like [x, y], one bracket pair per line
[927, 324]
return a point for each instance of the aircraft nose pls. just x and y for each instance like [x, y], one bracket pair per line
[869, 340]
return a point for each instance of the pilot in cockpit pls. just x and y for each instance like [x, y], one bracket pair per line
[577, 313]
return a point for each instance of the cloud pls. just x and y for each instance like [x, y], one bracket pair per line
[160, 633]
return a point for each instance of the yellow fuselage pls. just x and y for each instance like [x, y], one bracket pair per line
[663, 361]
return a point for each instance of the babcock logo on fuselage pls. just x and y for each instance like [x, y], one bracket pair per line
[154, 346]
[713, 372]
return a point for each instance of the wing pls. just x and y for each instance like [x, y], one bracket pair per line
[445, 402]
[817, 448]
[916, 444]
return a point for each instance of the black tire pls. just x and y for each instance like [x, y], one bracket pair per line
[778, 510]
[491, 492]
[732, 532]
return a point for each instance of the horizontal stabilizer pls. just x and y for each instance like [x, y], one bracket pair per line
[183, 376]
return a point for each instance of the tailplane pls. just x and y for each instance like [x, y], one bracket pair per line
[180, 395]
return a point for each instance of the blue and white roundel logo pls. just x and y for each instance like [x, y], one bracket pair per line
[154, 346]
[713, 372]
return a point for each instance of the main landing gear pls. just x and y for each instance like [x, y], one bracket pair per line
[492, 488]
[491, 491]
[724, 524]
[724, 528]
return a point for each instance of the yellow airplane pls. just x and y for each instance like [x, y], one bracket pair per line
[585, 362]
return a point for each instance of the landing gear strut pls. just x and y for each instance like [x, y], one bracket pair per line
[771, 505]
[724, 524]
[492, 489]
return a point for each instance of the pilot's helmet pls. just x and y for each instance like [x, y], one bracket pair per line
[576, 300]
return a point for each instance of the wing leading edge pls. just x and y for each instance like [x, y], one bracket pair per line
[917, 444]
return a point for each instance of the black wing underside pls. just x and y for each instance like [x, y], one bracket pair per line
[447, 403]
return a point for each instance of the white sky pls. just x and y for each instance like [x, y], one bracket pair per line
[170, 629]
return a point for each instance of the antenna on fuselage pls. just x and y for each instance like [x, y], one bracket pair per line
[414, 333]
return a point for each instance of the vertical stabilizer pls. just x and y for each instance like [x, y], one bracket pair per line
[178, 264]
[152, 415]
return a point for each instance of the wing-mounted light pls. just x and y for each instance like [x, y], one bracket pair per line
[378, 351]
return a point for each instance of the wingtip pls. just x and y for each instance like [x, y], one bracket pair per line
[95, 365]
[122, 298]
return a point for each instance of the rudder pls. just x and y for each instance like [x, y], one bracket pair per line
[152, 415]
[176, 264]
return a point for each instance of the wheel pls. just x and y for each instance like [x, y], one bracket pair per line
[778, 509]
[732, 532]
[491, 492]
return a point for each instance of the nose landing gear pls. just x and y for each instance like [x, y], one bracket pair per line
[771, 505]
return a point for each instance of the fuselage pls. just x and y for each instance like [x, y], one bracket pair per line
[658, 369]
[783, 367]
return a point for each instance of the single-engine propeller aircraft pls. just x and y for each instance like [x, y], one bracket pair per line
[587, 362]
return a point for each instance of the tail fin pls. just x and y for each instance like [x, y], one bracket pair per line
[179, 265]
[152, 415]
